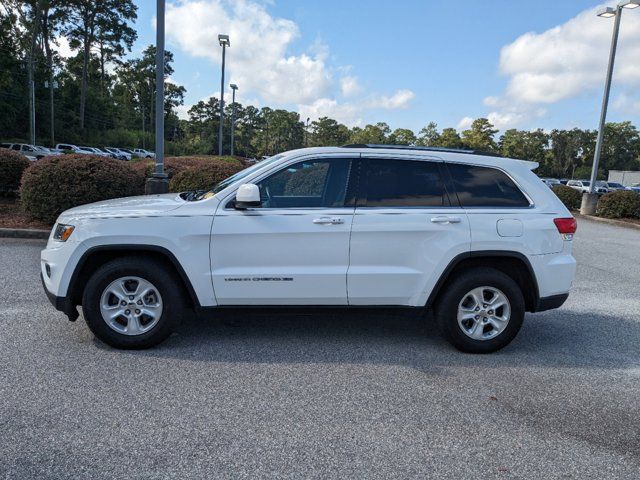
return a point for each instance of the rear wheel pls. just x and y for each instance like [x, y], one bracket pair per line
[132, 303]
[480, 310]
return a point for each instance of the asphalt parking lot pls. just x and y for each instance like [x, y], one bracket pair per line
[328, 395]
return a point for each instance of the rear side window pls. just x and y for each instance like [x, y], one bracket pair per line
[485, 187]
[403, 183]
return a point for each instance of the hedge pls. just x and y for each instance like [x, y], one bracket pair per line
[619, 204]
[55, 184]
[569, 196]
[12, 166]
[203, 176]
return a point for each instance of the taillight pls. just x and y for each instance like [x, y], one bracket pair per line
[566, 226]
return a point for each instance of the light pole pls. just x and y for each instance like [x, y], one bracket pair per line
[590, 199]
[224, 43]
[159, 182]
[234, 87]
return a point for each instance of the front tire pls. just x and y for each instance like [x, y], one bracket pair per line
[480, 311]
[132, 303]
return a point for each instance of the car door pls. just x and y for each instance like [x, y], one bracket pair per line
[405, 230]
[294, 248]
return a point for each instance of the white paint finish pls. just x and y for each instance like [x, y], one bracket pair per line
[255, 252]
[510, 227]
[398, 254]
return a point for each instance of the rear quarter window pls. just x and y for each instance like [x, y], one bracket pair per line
[485, 187]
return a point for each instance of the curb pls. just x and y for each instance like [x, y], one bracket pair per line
[24, 233]
[610, 221]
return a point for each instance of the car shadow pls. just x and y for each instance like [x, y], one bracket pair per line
[559, 338]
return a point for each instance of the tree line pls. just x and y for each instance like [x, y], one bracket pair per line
[101, 95]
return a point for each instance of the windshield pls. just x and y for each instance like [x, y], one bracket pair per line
[244, 173]
[616, 185]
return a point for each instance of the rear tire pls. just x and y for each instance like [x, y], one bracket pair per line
[481, 310]
[132, 303]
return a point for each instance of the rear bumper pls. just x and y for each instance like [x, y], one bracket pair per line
[63, 304]
[549, 303]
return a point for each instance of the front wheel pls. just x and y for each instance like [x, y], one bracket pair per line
[131, 303]
[480, 310]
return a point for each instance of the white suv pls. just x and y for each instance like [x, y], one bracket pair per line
[478, 239]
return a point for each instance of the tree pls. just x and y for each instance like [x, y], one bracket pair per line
[480, 135]
[449, 139]
[106, 21]
[375, 134]
[402, 136]
[524, 145]
[328, 132]
[428, 136]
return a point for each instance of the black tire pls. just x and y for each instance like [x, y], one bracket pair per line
[173, 303]
[446, 309]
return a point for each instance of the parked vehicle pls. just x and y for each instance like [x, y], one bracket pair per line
[68, 148]
[550, 182]
[47, 152]
[613, 186]
[564, 181]
[6, 145]
[635, 187]
[27, 150]
[142, 153]
[477, 239]
[118, 153]
[583, 186]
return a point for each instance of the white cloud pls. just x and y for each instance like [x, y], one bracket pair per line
[61, 46]
[351, 113]
[260, 62]
[258, 58]
[564, 62]
[626, 103]
[465, 123]
[350, 86]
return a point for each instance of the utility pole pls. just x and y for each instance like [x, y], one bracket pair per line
[234, 87]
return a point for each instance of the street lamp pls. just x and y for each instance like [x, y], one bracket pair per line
[224, 43]
[234, 87]
[590, 199]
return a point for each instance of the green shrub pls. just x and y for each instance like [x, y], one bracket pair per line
[619, 204]
[203, 176]
[55, 184]
[174, 165]
[12, 165]
[569, 196]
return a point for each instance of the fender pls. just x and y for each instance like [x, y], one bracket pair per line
[138, 248]
[480, 254]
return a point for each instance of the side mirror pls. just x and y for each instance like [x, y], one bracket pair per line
[248, 195]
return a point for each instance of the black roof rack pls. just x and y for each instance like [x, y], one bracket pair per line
[426, 149]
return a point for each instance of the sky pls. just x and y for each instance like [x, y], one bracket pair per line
[522, 64]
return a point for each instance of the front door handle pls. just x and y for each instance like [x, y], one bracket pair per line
[328, 221]
[446, 219]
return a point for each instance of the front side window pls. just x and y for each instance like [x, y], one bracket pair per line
[403, 183]
[307, 184]
[485, 187]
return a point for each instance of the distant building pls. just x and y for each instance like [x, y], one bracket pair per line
[625, 177]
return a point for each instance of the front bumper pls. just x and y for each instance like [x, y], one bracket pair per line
[63, 304]
[549, 303]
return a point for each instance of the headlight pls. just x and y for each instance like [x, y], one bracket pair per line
[63, 232]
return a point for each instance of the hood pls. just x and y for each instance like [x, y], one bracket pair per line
[142, 206]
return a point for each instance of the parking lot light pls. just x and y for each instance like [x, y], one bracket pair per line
[234, 87]
[630, 4]
[590, 199]
[224, 41]
[607, 12]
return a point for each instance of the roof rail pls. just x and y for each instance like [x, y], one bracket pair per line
[426, 149]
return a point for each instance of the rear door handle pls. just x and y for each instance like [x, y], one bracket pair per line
[446, 219]
[328, 221]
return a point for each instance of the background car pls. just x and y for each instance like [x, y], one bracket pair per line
[550, 182]
[142, 153]
[583, 186]
[612, 186]
[635, 187]
[47, 152]
[67, 147]
[118, 153]
[28, 151]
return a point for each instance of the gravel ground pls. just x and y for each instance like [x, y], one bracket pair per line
[328, 395]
